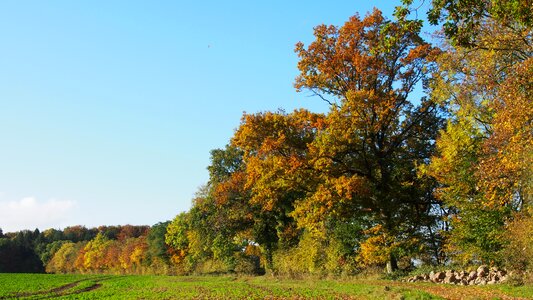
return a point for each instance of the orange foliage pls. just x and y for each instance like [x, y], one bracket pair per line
[506, 172]
[275, 153]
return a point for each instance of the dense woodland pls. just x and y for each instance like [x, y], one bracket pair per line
[424, 158]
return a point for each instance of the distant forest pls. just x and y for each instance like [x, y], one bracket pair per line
[76, 249]
[425, 158]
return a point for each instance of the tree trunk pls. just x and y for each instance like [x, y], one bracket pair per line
[392, 264]
[269, 261]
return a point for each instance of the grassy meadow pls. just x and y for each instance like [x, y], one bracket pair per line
[55, 286]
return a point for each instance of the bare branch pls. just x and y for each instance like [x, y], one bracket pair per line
[315, 93]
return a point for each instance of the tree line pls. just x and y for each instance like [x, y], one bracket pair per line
[77, 249]
[425, 156]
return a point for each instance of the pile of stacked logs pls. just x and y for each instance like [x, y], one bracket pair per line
[482, 276]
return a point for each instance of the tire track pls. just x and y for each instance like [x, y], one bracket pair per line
[54, 290]
[60, 291]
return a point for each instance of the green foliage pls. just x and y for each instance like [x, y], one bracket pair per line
[177, 237]
[50, 250]
[247, 264]
[224, 162]
[518, 253]
[477, 236]
[157, 247]
[315, 256]
[223, 248]
[17, 255]
[462, 21]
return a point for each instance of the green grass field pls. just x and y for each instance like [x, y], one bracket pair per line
[50, 286]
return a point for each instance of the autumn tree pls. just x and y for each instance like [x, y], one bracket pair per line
[65, 258]
[377, 132]
[177, 238]
[94, 253]
[131, 231]
[132, 254]
[484, 160]
[79, 233]
[111, 257]
[49, 250]
[463, 22]
[213, 234]
[275, 173]
[212, 231]
[226, 204]
[158, 255]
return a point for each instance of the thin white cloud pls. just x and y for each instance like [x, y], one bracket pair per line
[28, 213]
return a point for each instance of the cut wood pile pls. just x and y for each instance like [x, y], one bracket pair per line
[482, 276]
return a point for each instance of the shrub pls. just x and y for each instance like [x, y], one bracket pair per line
[248, 265]
[518, 253]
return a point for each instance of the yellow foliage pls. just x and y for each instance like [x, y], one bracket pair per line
[380, 245]
[519, 250]
[377, 249]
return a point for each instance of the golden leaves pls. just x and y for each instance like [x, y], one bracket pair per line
[506, 171]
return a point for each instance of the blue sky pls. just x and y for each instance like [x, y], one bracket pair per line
[108, 109]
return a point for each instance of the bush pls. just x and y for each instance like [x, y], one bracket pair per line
[518, 253]
[212, 266]
[248, 265]
[307, 258]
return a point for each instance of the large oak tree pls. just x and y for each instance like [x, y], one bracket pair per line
[377, 132]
